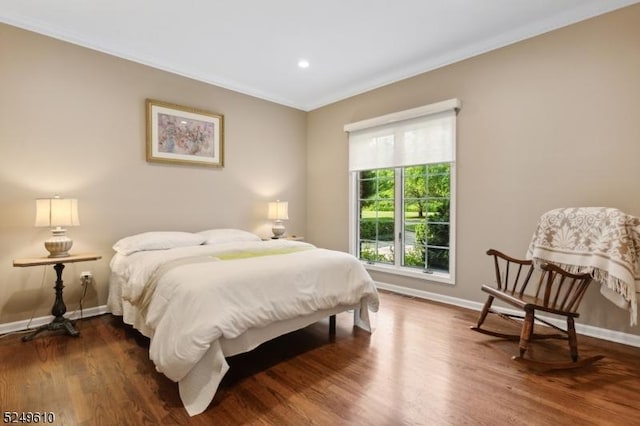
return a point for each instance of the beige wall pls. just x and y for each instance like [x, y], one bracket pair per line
[72, 122]
[549, 122]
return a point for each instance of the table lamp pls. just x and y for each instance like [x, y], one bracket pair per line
[57, 212]
[278, 211]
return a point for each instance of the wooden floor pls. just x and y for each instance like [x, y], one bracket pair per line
[421, 366]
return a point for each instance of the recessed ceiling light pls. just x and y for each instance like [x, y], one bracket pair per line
[303, 63]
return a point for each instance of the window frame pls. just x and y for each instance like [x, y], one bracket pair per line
[396, 267]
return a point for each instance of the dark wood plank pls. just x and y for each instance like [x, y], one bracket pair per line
[422, 365]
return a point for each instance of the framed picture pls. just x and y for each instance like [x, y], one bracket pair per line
[178, 134]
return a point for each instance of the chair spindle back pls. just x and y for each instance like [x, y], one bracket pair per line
[512, 275]
[562, 290]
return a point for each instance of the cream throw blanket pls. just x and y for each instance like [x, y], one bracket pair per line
[604, 242]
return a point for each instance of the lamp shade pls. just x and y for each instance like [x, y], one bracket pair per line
[57, 212]
[278, 210]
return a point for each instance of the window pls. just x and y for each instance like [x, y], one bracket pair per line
[403, 191]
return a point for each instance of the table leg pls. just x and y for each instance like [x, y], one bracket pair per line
[58, 310]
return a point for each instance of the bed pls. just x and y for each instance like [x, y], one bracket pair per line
[201, 297]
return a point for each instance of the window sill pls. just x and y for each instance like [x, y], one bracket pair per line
[407, 272]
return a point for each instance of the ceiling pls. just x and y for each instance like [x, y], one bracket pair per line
[253, 46]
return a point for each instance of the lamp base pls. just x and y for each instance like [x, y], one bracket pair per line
[58, 245]
[278, 229]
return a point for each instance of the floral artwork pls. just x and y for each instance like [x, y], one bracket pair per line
[183, 136]
[179, 134]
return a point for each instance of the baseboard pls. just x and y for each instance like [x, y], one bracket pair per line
[586, 330]
[36, 322]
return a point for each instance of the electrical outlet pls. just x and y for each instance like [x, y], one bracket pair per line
[86, 275]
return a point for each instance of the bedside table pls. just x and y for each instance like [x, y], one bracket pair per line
[59, 308]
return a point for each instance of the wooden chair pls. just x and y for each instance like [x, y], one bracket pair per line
[549, 289]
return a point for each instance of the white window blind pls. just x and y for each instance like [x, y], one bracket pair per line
[423, 135]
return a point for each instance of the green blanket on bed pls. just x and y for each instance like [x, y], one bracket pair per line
[244, 254]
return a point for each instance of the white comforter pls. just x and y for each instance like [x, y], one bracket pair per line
[195, 304]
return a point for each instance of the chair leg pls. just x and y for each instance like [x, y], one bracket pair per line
[573, 339]
[485, 311]
[526, 335]
[527, 331]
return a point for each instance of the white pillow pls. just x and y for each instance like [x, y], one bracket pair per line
[220, 236]
[158, 240]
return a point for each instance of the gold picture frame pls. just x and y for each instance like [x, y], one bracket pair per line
[184, 135]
